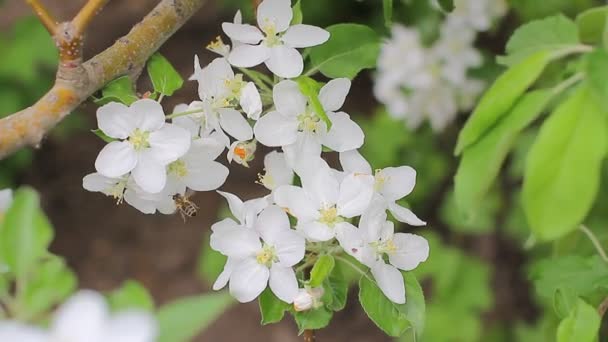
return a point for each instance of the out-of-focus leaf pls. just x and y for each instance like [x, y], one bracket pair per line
[182, 319]
[310, 89]
[131, 295]
[563, 166]
[297, 13]
[581, 325]
[591, 24]
[210, 262]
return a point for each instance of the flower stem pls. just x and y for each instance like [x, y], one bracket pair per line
[261, 82]
[596, 243]
[175, 115]
[309, 335]
[353, 266]
[568, 82]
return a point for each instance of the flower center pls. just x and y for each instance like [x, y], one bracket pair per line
[272, 37]
[379, 180]
[117, 191]
[266, 256]
[266, 180]
[178, 168]
[139, 139]
[384, 247]
[308, 122]
[218, 46]
[330, 217]
[234, 86]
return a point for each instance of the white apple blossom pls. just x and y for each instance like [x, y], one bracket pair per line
[274, 43]
[221, 91]
[308, 298]
[323, 203]
[262, 256]
[113, 187]
[276, 171]
[242, 152]
[390, 184]
[148, 203]
[6, 198]
[375, 238]
[86, 317]
[218, 46]
[296, 127]
[144, 144]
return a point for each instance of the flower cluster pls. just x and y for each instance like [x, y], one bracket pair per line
[151, 163]
[418, 82]
[86, 317]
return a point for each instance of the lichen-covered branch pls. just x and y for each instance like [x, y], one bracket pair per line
[77, 81]
[43, 15]
[87, 13]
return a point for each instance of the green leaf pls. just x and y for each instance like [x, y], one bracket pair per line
[597, 74]
[548, 34]
[394, 319]
[446, 5]
[119, 90]
[583, 276]
[582, 325]
[297, 13]
[165, 79]
[564, 300]
[49, 285]
[490, 151]
[131, 295]
[591, 24]
[387, 6]
[501, 96]
[272, 308]
[184, 318]
[321, 270]
[310, 88]
[25, 233]
[563, 166]
[312, 319]
[336, 286]
[338, 57]
[102, 135]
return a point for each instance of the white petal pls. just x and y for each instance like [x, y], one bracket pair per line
[237, 242]
[135, 200]
[390, 281]
[275, 12]
[6, 198]
[238, 17]
[285, 62]
[114, 120]
[322, 186]
[212, 82]
[149, 113]
[316, 231]
[233, 122]
[288, 99]
[353, 162]
[283, 283]
[276, 167]
[243, 33]
[166, 205]
[131, 326]
[206, 176]
[372, 221]
[350, 239]
[169, 143]
[81, 317]
[205, 148]
[405, 215]
[344, 134]
[250, 101]
[188, 123]
[95, 182]
[252, 208]
[411, 251]
[333, 94]
[223, 278]
[356, 192]
[399, 182]
[270, 223]
[149, 174]
[19, 332]
[248, 280]
[289, 246]
[301, 36]
[116, 159]
[247, 56]
[297, 201]
[235, 204]
[275, 129]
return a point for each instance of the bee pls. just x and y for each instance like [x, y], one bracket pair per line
[185, 206]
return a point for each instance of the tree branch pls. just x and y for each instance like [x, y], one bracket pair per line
[87, 13]
[43, 14]
[76, 81]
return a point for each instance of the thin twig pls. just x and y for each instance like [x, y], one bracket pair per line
[601, 309]
[82, 20]
[596, 243]
[43, 14]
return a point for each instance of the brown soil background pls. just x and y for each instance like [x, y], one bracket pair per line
[107, 245]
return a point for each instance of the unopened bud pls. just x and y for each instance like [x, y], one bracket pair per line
[242, 152]
[308, 298]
